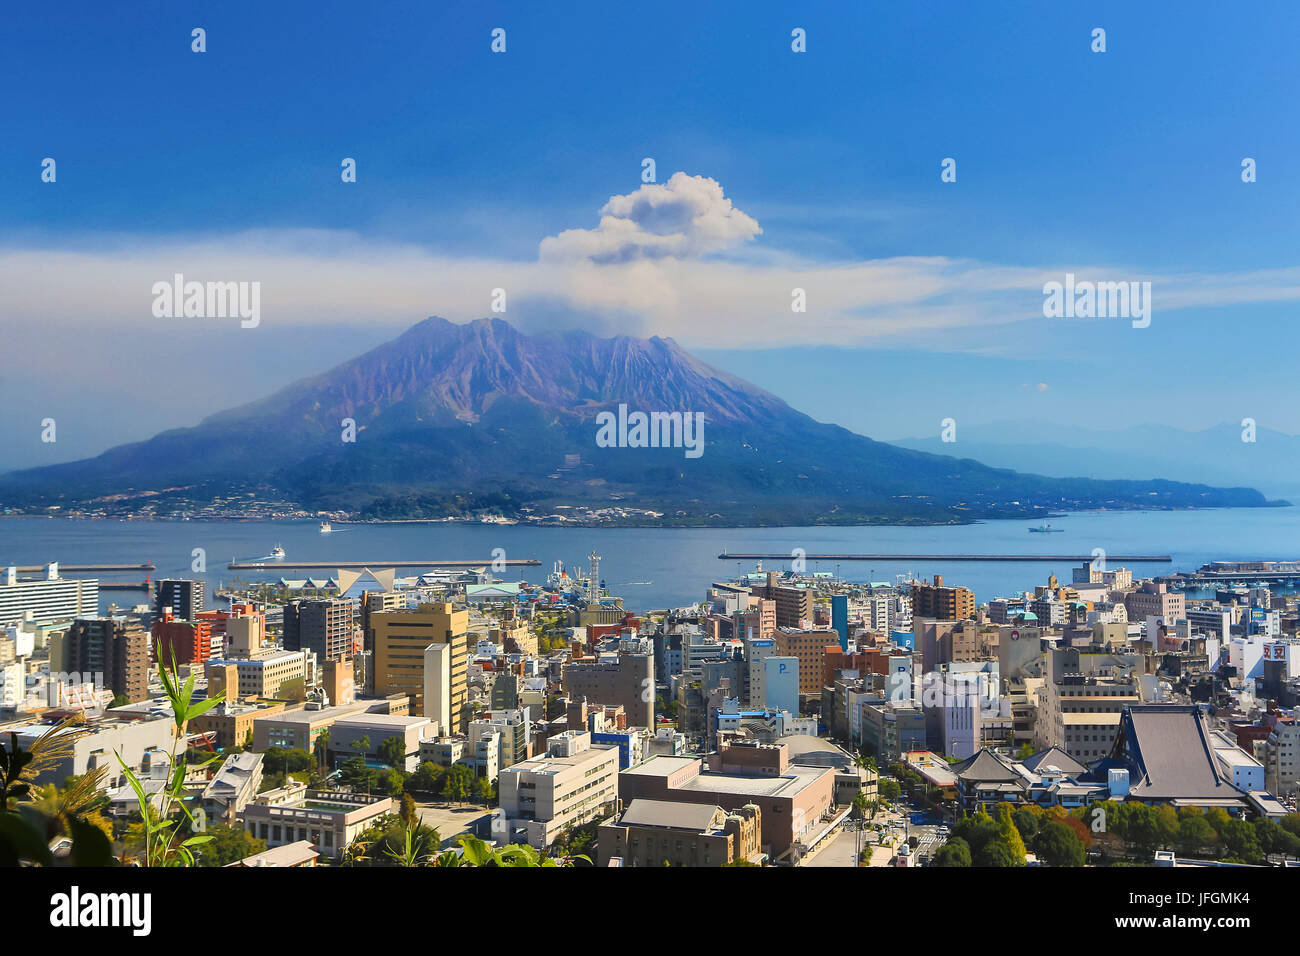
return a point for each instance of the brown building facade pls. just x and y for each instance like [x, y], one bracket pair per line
[942, 603]
[114, 647]
[656, 832]
[811, 648]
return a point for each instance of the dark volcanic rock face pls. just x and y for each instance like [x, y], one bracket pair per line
[470, 413]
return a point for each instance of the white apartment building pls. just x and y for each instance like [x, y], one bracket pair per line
[575, 783]
[1245, 772]
[47, 599]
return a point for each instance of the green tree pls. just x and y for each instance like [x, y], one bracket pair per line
[228, 845]
[1217, 817]
[389, 782]
[426, 779]
[393, 752]
[321, 749]
[31, 816]
[1009, 834]
[355, 775]
[1194, 834]
[1025, 752]
[889, 790]
[1140, 829]
[956, 852]
[288, 760]
[1167, 825]
[457, 783]
[1240, 842]
[1058, 845]
[1273, 839]
[1026, 821]
[998, 852]
[408, 813]
[977, 831]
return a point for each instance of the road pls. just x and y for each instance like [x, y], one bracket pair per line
[902, 820]
[837, 852]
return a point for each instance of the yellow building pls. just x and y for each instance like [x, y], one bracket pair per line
[400, 639]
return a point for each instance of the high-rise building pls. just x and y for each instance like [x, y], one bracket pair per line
[375, 602]
[781, 683]
[1155, 600]
[941, 603]
[114, 647]
[189, 642]
[184, 598]
[840, 618]
[794, 605]
[400, 640]
[51, 598]
[756, 623]
[325, 627]
[629, 681]
[810, 647]
[757, 650]
[1081, 701]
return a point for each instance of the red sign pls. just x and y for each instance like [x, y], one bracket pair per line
[1015, 635]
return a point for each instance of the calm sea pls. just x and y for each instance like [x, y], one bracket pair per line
[652, 568]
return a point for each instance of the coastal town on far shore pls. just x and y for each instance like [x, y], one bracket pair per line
[789, 718]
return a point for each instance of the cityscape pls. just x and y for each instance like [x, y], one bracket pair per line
[843, 442]
[371, 717]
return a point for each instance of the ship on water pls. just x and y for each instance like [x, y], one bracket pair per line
[1046, 528]
[326, 527]
[277, 552]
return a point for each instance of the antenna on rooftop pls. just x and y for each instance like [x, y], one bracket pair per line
[593, 580]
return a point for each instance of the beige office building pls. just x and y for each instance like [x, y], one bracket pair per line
[271, 675]
[401, 640]
[575, 783]
[1081, 702]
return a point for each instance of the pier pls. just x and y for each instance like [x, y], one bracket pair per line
[360, 565]
[1232, 578]
[1134, 558]
[38, 568]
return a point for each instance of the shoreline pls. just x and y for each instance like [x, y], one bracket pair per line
[633, 525]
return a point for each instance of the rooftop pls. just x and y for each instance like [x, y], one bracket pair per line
[291, 854]
[795, 778]
[379, 720]
[1169, 750]
[668, 814]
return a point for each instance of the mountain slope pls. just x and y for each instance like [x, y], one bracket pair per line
[459, 417]
[1215, 455]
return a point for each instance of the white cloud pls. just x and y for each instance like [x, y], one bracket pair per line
[655, 265]
[686, 217]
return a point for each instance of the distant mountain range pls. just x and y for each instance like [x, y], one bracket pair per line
[1215, 455]
[480, 418]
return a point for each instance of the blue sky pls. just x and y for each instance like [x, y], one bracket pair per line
[1118, 165]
